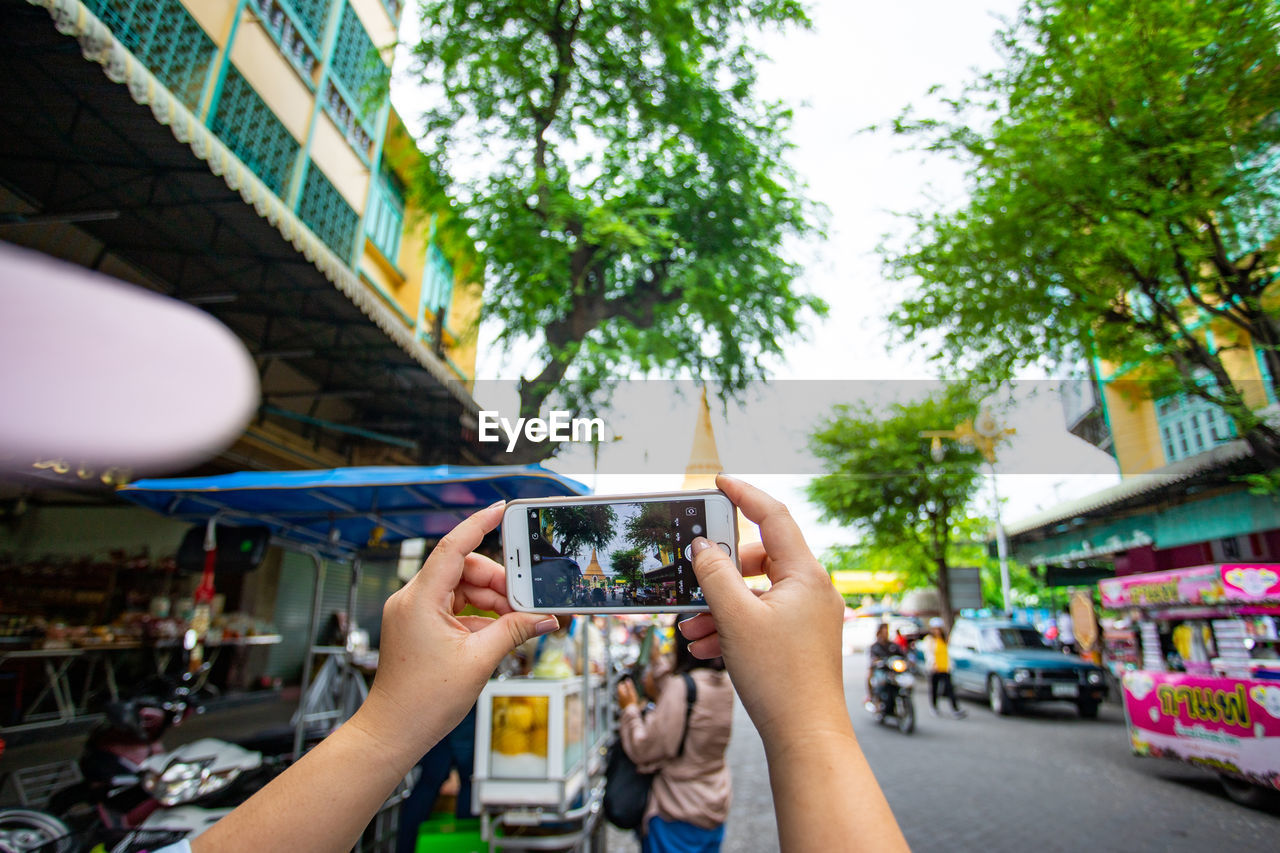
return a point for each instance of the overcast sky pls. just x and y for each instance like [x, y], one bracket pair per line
[860, 65]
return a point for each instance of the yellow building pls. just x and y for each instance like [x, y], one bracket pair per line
[243, 156]
[1182, 500]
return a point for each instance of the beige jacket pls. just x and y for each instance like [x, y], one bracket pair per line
[694, 787]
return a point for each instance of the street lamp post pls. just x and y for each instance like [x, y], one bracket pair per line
[982, 433]
[1002, 542]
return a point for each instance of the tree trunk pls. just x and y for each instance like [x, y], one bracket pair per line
[944, 590]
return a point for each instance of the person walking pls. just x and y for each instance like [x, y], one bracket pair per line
[937, 662]
[683, 739]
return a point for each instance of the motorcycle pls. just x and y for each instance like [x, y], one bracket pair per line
[892, 683]
[134, 789]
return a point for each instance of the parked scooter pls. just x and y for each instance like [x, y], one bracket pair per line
[892, 683]
[132, 783]
[24, 830]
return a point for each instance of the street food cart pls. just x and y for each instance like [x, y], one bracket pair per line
[338, 515]
[540, 757]
[1207, 688]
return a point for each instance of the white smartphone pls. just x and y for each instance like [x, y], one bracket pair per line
[613, 553]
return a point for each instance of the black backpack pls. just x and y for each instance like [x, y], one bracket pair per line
[626, 790]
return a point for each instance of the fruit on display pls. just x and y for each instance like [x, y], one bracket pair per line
[520, 725]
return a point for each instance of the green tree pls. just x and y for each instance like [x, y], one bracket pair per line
[626, 564]
[880, 479]
[968, 548]
[637, 204]
[580, 527]
[1123, 190]
[650, 529]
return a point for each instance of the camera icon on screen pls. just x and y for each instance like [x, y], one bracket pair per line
[691, 510]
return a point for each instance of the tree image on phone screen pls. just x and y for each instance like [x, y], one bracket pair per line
[616, 555]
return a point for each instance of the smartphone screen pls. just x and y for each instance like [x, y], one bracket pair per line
[615, 554]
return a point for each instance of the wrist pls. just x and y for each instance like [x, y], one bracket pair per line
[815, 745]
[813, 726]
[387, 734]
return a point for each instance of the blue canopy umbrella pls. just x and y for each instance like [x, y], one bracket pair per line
[337, 514]
[341, 511]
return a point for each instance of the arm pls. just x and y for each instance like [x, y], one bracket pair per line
[432, 668]
[782, 650]
[652, 739]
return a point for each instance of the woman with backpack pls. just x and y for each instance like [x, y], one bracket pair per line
[682, 740]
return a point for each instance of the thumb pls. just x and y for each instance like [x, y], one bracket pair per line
[720, 579]
[510, 630]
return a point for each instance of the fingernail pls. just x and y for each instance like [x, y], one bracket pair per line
[700, 544]
[728, 477]
[546, 626]
[495, 504]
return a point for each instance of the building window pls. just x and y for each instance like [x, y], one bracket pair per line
[437, 288]
[394, 8]
[1189, 426]
[164, 38]
[326, 213]
[356, 62]
[385, 219]
[296, 34]
[312, 14]
[358, 83]
[250, 129]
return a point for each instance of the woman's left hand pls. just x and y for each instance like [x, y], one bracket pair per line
[627, 695]
[434, 663]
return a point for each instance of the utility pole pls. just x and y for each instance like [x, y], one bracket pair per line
[983, 433]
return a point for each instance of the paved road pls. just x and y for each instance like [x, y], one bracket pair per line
[1043, 782]
[1047, 781]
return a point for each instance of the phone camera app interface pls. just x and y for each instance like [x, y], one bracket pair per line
[616, 555]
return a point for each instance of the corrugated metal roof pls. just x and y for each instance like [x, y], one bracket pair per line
[1134, 486]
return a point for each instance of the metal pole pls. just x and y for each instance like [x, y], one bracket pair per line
[300, 729]
[1002, 544]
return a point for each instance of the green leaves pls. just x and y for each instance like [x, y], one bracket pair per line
[1123, 185]
[636, 201]
[882, 480]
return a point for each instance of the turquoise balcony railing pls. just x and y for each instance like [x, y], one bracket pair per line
[326, 213]
[253, 132]
[165, 38]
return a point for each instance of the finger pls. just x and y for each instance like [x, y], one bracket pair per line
[697, 627]
[753, 558]
[475, 623]
[479, 570]
[444, 567]
[505, 633]
[718, 575]
[481, 597]
[707, 648]
[778, 530]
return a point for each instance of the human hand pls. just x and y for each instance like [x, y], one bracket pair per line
[627, 695]
[781, 647]
[433, 662]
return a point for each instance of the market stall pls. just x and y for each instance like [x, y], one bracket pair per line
[1202, 683]
[338, 515]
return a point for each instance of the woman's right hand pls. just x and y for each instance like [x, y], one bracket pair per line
[782, 647]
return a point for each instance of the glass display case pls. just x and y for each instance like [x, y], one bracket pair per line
[532, 736]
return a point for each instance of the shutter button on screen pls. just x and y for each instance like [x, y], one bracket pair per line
[688, 550]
